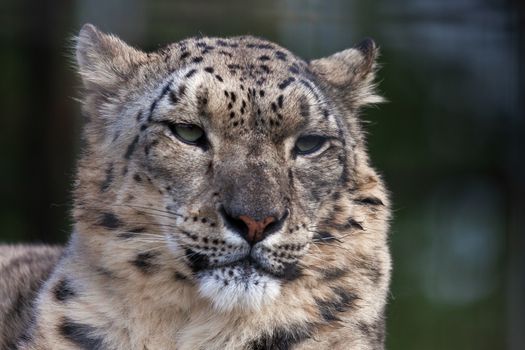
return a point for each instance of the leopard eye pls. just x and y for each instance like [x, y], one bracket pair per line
[309, 144]
[188, 133]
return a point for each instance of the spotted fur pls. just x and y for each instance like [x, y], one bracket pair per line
[159, 257]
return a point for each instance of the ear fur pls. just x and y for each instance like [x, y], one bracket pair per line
[351, 73]
[104, 60]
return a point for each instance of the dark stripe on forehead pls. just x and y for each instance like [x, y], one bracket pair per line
[310, 88]
[131, 147]
[164, 91]
[345, 175]
[319, 100]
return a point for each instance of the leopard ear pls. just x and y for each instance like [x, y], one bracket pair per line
[351, 73]
[104, 60]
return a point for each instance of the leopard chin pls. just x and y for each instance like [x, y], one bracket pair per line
[239, 286]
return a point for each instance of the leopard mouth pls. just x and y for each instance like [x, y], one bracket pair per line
[243, 271]
[247, 264]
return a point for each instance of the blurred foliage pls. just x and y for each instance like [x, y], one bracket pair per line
[449, 142]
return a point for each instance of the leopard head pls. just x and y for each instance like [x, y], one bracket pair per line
[229, 167]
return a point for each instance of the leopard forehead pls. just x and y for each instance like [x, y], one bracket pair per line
[243, 82]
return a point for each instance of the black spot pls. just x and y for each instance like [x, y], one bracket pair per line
[225, 53]
[137, 177]
[293, 69]
[265, 68]
[280, 55]
[81, 335]
[282, 338]
[179, 276]
[261, 93]
[209, 69]
[131, 147]
[304, 109]
[202, 101]
[329, 309]
[333, 273]
[190, 73]
[110, 221]
[109, 178]
[274, 107]
[174, 98]
[197, 59]
[233, 96]
[290, 272]
[143, 261]
[369, 201]
[184, 55]
[197, 261]
[264, 58]
[219, 78]
[63, 291]
[182, 90]
[353, 223]
[139, 116]
[260, 46]
[286, 82]
[280, 101]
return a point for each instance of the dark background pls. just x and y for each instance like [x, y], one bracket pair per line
[449, 143]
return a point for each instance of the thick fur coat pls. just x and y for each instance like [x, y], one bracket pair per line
[224, 200]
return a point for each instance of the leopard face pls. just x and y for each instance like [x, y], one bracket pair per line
[227, 163]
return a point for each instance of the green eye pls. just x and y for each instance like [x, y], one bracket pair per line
[188, 133]
[309, 144]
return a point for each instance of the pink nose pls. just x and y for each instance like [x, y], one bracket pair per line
[256, 228]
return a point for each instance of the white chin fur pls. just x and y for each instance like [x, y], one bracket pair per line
[236, 287]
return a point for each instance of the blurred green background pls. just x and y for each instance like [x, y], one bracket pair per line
[449, 143]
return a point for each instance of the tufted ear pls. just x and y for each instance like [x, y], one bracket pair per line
[351, 73]
[104, 60]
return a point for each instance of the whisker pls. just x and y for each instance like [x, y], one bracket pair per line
[150, 209]
[151, 224]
